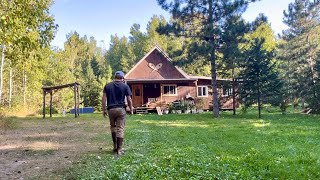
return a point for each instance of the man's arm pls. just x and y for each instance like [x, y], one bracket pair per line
[130, 104]
[104, 99]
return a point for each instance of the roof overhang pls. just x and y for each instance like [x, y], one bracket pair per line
[158, 80]
[191, 79]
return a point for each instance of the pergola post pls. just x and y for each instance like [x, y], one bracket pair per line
[75, 100]
[78, 103]
[44, 103]
[50, 103]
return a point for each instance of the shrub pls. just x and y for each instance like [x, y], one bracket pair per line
[6, 123]
[199, 103]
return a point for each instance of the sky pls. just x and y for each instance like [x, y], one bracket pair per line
[103, 18]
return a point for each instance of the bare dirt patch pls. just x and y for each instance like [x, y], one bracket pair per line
[45, 148]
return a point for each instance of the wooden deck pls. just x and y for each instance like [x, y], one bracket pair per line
[144, 110]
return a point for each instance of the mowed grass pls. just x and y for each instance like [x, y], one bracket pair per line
[197, 146]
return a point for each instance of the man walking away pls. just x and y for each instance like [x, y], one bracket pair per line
[114, 93]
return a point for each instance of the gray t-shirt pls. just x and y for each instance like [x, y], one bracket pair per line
[116, 92]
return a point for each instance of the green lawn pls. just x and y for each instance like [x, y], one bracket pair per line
[200, 147]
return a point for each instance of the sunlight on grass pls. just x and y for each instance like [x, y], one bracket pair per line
[43, 145]
[36, 146]
[201, 147]
[42, 135]
[261, 124]
[175, 124]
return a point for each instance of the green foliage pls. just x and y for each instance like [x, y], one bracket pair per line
[204, 22]
[313, 99]
[81, 61]
[260, 82]
[92, 91]
[235, 29]
[199, 102]
[300, 48]
[24, 41]
[195, 147]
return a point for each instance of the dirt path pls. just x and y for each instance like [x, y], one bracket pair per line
[44, 149]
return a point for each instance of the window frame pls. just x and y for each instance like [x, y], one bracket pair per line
[207, 91]
[175, 89]
[226, 91]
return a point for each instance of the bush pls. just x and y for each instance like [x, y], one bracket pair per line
[283, 106]
[199, 103]
[6, 123]
[314, 106]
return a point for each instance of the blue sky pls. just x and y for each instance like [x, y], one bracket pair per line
[103, 18]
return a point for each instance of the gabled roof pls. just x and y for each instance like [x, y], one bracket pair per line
[179, 74]
[166, 57]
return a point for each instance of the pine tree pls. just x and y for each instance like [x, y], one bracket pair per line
[210, 15]
[235, 29]
[300, 48]
[260, 80]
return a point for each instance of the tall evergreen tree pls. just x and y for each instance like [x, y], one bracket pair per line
[260, 80]
[235, 29]
[300, 48]
[118, 54]
[211, 16]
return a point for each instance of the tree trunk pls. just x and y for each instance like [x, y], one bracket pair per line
[24, 87]
[233, 93]
[10, 87]
[1, 71]
[213, 63]
[214, 86]
[259, 103]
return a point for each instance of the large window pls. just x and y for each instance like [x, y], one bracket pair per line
[202, 91]
[169, 89]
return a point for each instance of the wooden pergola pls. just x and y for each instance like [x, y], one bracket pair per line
[49, 90]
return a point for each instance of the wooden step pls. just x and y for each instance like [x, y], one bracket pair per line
[141, 110]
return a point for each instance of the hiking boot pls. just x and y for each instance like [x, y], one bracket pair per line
[114, 139]
[120, 151]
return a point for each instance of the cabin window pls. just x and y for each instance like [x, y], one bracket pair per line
[169, 89]
[202, 91]
[227, 91]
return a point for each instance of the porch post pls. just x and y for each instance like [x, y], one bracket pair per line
[160, 92]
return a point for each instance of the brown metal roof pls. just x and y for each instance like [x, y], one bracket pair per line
[146, 67]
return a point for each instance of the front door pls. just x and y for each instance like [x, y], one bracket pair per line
[137, 95]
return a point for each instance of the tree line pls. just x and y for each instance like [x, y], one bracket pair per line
[208, 38]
